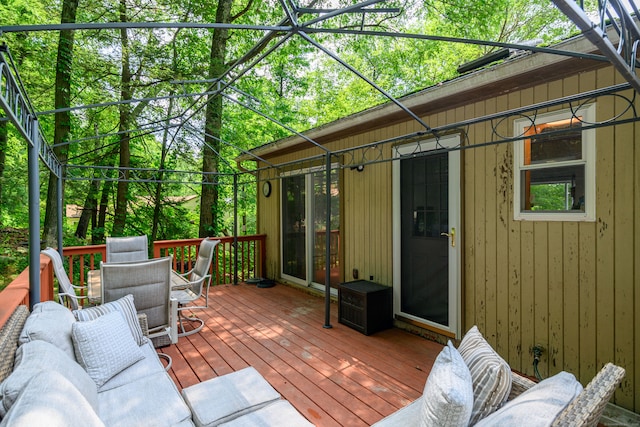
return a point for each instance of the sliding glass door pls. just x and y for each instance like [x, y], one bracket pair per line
[304, 237]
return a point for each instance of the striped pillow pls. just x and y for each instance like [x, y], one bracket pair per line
[491, 375]
[125, 306]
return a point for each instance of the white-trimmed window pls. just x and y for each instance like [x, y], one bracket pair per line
[554, 167]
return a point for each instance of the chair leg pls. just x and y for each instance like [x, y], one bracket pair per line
[199, 324]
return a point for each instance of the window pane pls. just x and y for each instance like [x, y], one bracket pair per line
[554, 189]
[544, 147]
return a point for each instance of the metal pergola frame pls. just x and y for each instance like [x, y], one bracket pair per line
[14, 101]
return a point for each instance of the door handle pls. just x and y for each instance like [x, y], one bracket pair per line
[452, 236]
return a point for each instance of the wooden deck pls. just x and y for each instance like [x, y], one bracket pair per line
[334, 377]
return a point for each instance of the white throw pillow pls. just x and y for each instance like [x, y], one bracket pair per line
[448, 393]
[35, 357]
[53, 326]
[104, 346]
[539, 406]
[490, 373]
[125, 306]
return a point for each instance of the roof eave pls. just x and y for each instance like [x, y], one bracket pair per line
[515, 73]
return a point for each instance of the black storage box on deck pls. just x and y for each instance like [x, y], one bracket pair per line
[365, 306]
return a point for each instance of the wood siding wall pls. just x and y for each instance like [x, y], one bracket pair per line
[571, 287]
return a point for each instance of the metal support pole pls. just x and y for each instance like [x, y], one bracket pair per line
[34, 215]
[327, 244]
[235, 229]
[60, 201]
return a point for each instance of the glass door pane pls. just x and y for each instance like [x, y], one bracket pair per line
[294, 227]
[319, 228]
[424, 186]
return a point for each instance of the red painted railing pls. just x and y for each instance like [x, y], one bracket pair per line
[17, 292]
[81, 259]
[250, 262]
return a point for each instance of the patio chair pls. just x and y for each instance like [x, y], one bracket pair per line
[192, 285]
[127, 249]
[150, 284]
[66, 289]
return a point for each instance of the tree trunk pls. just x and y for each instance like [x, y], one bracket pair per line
[157, 209]
[209, 218]
[62, 119]
[88, 210]
[120, 215]
[97, 233]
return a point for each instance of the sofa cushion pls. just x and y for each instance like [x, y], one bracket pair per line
[448, 392]
[35, 357]
[407, 416]
[53, 326]
[48, 306]
[149, 365]
[39, 404]
[150, 401]
[125, 306]
[104, 346]
[538, 406]
[490, 373]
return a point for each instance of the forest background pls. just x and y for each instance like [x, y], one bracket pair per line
[178, 126]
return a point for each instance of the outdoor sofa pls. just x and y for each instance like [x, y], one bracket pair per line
[473, 385]
[58, 371]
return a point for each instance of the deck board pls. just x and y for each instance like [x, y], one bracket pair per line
[334, 377]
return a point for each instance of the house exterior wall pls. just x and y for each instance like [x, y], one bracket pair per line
[572, 288]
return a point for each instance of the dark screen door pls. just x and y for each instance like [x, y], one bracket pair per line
[425, 256]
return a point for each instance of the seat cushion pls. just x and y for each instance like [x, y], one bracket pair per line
[490, 373]
[35, 357]
[153, 400]
[244, 391]
[39, 404]
[448, 393]
[278, 413]
[539, 406]
[52, 326]
[125, 306]
[104, 346]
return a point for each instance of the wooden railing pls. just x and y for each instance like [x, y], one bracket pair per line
[251, 258]
[250, 262]
[81, 259]
[17, 292]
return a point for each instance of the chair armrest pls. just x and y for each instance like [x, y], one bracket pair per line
[587, 408]
[173, 320]
[187, 284]
[73, 296]
[519, 384]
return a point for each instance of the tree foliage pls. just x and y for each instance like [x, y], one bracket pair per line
[298, 84]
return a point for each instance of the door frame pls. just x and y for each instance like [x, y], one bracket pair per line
[308, 183]
[455, 253]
